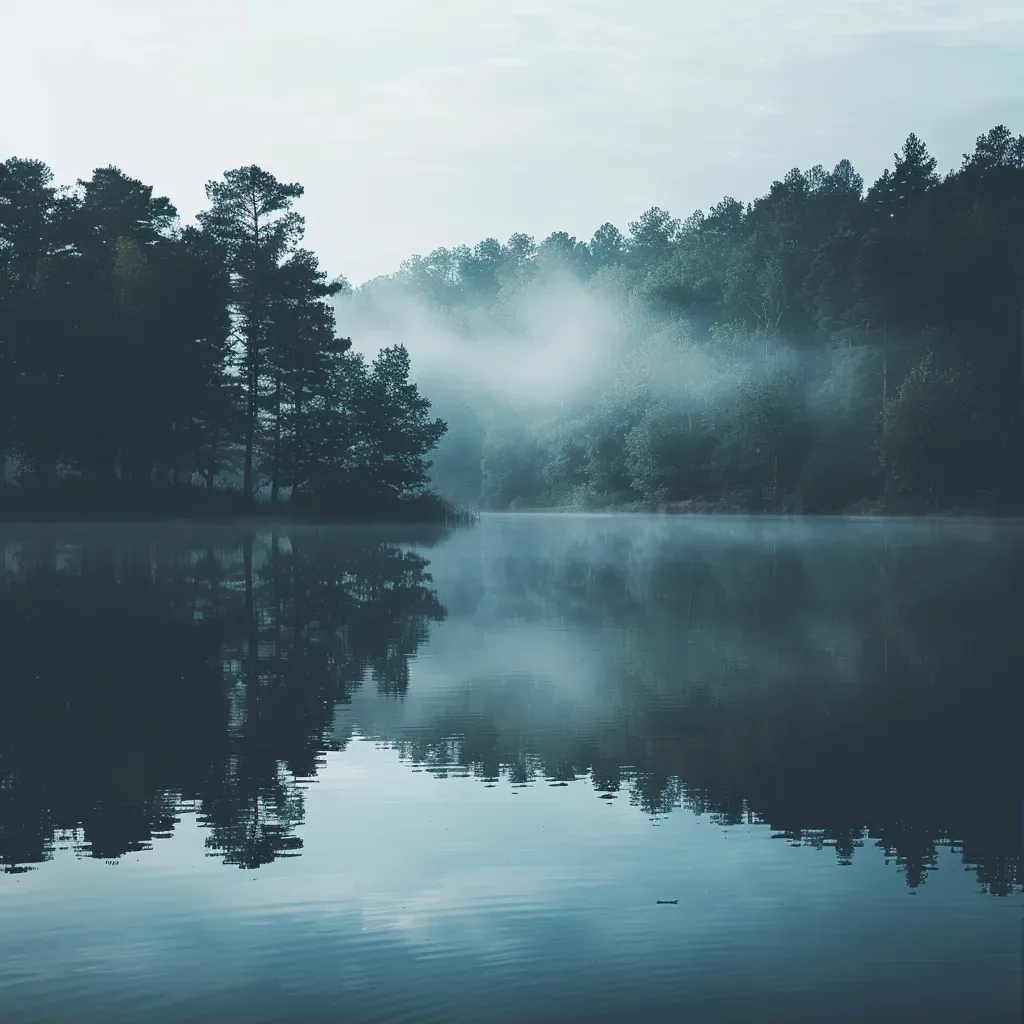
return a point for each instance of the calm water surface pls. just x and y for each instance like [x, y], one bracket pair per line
[336, 774]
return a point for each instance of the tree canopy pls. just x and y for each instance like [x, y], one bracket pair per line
[142, 362]
[824, 345]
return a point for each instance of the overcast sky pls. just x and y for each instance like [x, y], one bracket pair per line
[419, 123]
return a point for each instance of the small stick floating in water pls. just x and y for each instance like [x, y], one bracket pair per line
[668, 901]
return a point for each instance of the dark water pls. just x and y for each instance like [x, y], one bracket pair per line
[327, 775]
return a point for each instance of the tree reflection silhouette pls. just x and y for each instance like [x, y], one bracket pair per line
[140, 675]
[843, 694]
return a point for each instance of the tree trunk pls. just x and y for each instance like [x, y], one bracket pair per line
[206, 472]
[250, 431]
[211, 470]
[297, 454]
[253, 340]
[275, 483]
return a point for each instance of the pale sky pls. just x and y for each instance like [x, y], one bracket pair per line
[420, 123]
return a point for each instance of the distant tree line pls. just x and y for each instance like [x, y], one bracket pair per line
[141, 361]
[860, 345]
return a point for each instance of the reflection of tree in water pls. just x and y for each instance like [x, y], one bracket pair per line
[841, 693]
[139, 677]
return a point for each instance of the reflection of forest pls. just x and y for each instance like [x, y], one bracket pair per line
[843, 684]
[144, 675]
[842, 687]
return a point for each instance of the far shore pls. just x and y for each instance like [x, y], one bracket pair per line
[876, 510]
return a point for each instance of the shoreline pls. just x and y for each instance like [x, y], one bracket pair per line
[268, 522]
[191, 508]
[435, 513]
[879, 511]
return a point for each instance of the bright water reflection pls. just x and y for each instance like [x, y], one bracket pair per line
[790, 727]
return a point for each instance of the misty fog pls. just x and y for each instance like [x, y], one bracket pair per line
[825, 347]
[556, 350]
[582, 617]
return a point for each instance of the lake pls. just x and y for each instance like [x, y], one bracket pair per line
[545, 767]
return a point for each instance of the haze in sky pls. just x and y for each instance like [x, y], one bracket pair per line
[415, 125]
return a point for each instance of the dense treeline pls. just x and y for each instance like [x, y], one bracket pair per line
[824, 346]
[143, 363]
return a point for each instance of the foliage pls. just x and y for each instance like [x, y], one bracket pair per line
[927, 438]
[139, 358]
[777, 349]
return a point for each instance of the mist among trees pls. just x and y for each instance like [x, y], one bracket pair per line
[826, 347]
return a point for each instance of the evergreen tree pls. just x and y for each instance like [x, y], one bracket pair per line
[303, 364]
[251, 217]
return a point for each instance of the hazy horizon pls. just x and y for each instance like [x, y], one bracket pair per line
[413, 129]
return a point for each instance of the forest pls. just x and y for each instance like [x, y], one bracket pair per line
[825, 348]
[828, 347]
[150, 368]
